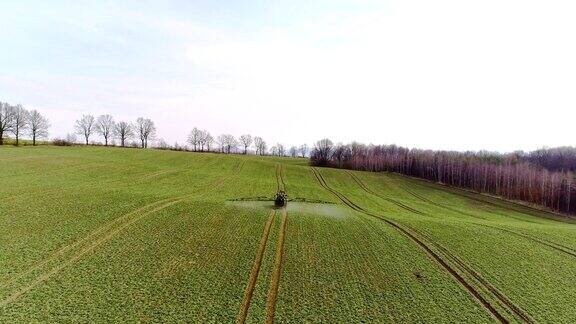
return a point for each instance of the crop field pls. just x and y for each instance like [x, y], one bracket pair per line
[108, 234]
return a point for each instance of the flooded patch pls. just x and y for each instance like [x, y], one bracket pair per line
[320, 209]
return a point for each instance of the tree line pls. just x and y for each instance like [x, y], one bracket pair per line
[142, 130]
[513, 176]
[202, 140]
[16, 120]
[543, 177]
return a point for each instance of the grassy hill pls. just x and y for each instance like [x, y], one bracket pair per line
[109, 234]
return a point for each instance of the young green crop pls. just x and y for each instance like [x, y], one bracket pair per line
[110, 234]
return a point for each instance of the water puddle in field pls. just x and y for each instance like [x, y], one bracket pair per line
[326, 210]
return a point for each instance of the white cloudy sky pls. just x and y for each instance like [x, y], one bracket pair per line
[497, 75]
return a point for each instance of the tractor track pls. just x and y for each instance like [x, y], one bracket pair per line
[500, 202]
[554, 245]
[248, 293]
[80, 253]
[102, 229]
[277, 274]
[280, 184]
[96, 238]
[274, 285]
[413, 235]
[499, 295]
[111, 184]
[395, 202]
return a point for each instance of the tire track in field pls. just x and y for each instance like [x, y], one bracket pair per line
[372, 192]
[248, 293]
[277, 274]
[54, 255]
[413, 235]
[118, 183]
[501, 203]
[505, 301]
[429, 201]
[79, 254]
[280, 184]
[554, 245]
[106, 232]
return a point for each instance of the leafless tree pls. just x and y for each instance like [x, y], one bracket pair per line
[260, 145]
[162, 144]
[37, 126]
[85, 126]
[221, 142]
[6, 120]
[506, 175]
[274, 150]
[105, 127]
[195, 138]
[207, 141]
[71, 138]
[20, 121]
[281, 149]
[146, 130]
[123, 132]
[303, 150]
[322, 152]
[293, 151]
[246, 141]
[228, 143]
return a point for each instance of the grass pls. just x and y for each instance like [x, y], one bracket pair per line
[109, 234]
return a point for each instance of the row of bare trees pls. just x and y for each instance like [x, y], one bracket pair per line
[202, 141]
[556, 159]
[143, 129]
[506, 175]
[20, 122]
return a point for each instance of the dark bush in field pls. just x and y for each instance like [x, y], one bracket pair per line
[61, 142]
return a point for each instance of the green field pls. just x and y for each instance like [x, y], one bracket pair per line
[108, 234]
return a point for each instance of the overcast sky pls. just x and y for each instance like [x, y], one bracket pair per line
[461, 75]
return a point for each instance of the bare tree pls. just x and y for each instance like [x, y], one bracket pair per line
[229, 143]
[303, 150]
[71, 138]
[85, 126]
[146, 130]
[105, 127]
[207, 141]
[6, 120]
[123, 131]
[37, 126]
[162, 144]
[221, 141]
[195, 138]
[20, 121]
[260, 145]
[293, 151]
[274, 150]
[505, 175]
[246, 141]
[281, 149]
[322, 152]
